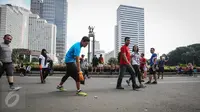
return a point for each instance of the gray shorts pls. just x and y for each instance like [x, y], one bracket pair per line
[8, 68]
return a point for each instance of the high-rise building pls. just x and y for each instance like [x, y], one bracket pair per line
[14, 20]
[130, 23]
[42, 35]
[36, 7]
[54, 11]
[97, 45]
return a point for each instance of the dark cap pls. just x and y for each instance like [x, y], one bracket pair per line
[44, 50]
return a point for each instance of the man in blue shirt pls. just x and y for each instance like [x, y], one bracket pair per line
[72, 61]
[152, 69]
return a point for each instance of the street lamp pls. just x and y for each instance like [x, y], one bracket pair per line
[91, 34]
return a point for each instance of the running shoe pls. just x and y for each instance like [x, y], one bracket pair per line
[13, 88]
[61, 88]
[81, 93]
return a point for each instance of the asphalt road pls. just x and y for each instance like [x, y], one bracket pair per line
[173, 94]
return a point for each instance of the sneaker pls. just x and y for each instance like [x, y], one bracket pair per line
[61, 88]
[81, 93]
[128, 82]
[13, 88]
[119, 87]
[154, 82]
[149, 82]
[142, 80]
[135, 87]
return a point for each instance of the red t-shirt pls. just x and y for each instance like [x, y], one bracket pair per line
[101, 60]
[142, 61]
[125, 49]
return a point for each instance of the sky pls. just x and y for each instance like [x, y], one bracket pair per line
[168, 23]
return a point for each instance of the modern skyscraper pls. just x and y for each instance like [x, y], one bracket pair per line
[14, 20]
[130, 23]
[37, 7]
[42, 35]
[54, 11]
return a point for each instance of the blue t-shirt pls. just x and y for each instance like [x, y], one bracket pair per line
[73, 52]
[153, 56]
[161, 63]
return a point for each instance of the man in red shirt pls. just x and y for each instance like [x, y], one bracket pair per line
[125, 59]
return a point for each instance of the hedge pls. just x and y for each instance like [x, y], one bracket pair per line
[106, 68]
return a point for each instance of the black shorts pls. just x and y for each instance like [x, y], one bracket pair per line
[71, 70]
[161, 69]
[152, 71]
[141, 69]
[8, 68]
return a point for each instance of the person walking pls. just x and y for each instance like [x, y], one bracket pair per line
[125, 64]
[6, 61]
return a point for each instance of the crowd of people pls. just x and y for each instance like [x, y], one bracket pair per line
[77, 66]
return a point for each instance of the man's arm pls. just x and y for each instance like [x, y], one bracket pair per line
[78, 63]
[125, 58]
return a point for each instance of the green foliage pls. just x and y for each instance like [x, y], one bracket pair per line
[185, 55]
[112, 61]
[35, 60]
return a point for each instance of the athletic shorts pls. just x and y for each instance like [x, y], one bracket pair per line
[161, 69]
[152, 70]
[142, 69]
[8, 68]
[71, 70]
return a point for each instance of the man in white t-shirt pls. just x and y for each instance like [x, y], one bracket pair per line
[44, 71]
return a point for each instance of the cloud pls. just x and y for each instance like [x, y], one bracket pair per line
[21, 3]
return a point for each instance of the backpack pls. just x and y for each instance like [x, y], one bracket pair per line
[119, 55]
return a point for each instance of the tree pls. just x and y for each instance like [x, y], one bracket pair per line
[112, 61]
[184, 55]
[15, 56]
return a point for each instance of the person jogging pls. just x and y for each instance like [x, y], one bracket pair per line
[72, 61]
[6, 61]
[44, 67]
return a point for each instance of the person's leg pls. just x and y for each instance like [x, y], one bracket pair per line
[1, 70]
[46, 73]
[137, 71]
[65, 77]
[159, 71]
[155, 78]
[133, 74]
[150, 75]
[87, 74]
[9, 73]
[162, 72]
[120, 77]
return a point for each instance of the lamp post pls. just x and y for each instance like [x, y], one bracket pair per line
[91, 34]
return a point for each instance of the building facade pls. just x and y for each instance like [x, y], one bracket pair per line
[55, 12]
[14, 20]
[42, 35]
[130, 23]
[109, 55]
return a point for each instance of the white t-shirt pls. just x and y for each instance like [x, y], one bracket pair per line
[135, 58]
[43, 61]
